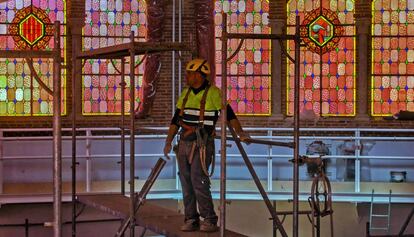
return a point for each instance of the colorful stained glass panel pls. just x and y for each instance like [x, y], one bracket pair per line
[327, 62]
[248, 79]
[28, 25]
[392, 57]
[110, 22]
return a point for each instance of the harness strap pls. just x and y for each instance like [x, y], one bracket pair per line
[203, 160]
[203, 105]
[188, 130]
[184, 102]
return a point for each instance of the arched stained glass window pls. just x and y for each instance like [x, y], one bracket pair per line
[249, 71]
[108, 23]
[28, 25]
[392, 85]
[327, 62]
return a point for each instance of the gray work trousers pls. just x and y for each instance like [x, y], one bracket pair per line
[195, 184]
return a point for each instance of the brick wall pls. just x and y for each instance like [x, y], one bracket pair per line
[161, 111]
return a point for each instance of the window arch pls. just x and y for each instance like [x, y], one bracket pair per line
[109, 22]
[327, 63]
[392, 82]
[249, 91]
[27, 25]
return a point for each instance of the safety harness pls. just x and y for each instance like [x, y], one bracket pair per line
[201, 135]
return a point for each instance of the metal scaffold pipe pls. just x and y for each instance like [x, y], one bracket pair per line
[123, 84]
[132, 136]
[296, 133]
[57, 136]
[223, 128]
[74, 51]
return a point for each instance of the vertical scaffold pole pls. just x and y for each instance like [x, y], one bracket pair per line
[132, 136]
[296, 133]
[57, 137]
[223, 127]
[123, 126]
[74, 52]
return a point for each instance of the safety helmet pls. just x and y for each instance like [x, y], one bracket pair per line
[198, 65]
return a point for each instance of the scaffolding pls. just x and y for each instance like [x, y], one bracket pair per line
[121, 52]
[54, 54]
[296, 38]
[137, 48]
[130, 50]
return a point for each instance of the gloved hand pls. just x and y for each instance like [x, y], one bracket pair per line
[244, 137]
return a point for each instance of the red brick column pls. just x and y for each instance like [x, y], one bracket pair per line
[277, 21]
[363, 27]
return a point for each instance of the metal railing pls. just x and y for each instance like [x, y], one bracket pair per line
[268, 155]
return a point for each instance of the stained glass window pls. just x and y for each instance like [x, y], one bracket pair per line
[110, 22]
[392, 85]
[327, 62]
[28, 25]
[249, 71]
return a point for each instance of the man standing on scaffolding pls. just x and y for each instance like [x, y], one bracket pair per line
[197, 112]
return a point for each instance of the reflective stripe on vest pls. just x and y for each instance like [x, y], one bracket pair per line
[193, 116]
[196, 112]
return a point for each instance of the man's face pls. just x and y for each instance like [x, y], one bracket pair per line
[193, 78]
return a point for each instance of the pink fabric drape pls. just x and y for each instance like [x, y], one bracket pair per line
[204, 17]
[155, 19]
[205, 38]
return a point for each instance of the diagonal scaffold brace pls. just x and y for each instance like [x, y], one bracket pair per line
[276, 222]
[140, 198]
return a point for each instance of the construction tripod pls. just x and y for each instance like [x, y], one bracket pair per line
[140, 198]
[320, 200]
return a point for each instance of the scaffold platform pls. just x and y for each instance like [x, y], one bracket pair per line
[152, 217]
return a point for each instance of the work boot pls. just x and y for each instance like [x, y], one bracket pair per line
[190, 225]
[208, 227]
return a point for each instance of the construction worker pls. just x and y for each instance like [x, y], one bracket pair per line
[197, 112]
